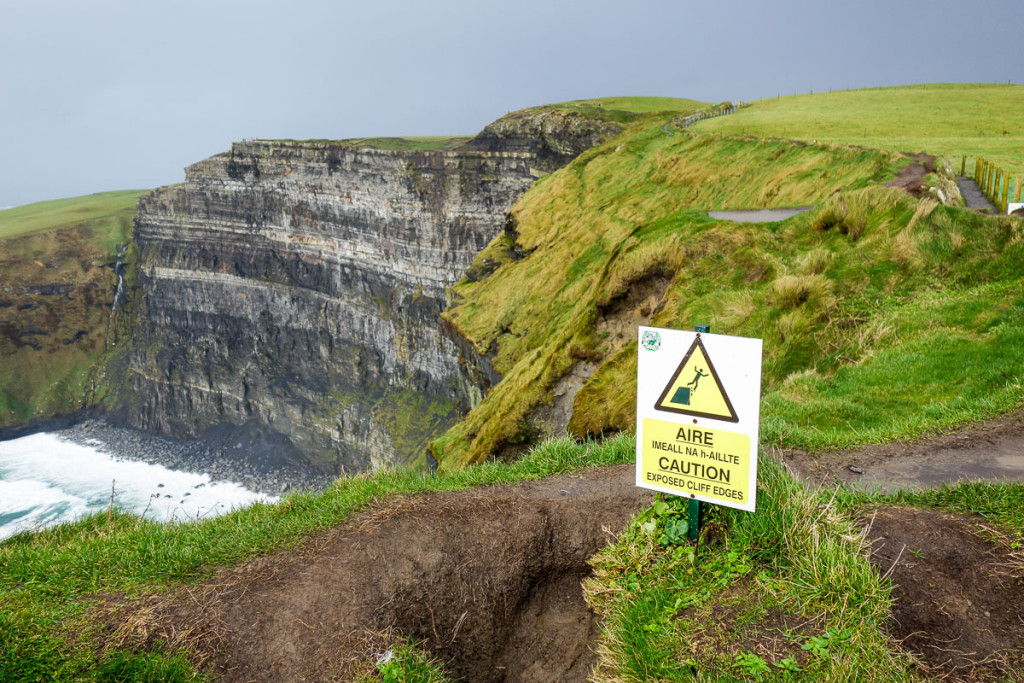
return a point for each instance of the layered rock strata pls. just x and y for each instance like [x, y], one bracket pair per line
[296, 287]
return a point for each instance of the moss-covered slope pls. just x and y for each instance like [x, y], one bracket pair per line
[59, 334]
[840, 295]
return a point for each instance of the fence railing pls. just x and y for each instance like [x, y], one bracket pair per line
[723, 109]
[993, 182]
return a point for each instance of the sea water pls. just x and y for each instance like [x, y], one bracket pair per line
[45, 480]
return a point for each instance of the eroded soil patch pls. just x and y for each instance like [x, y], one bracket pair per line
[615, 327]
[911, 177]
[742, 620]
[488, 579]
[958, 590]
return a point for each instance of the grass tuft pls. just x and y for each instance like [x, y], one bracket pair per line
[785, 592]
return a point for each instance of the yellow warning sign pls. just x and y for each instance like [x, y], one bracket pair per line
[695, 388]
[710, 464]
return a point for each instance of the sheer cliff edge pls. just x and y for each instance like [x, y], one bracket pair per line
[291, 291]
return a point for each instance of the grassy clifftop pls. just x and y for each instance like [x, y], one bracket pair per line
[871, 288]
[110, 215]
[625, 220]
[883, 315]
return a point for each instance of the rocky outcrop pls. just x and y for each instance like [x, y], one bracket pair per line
[298, 286]
[554, 137]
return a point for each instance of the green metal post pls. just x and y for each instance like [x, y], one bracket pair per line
[693, 509]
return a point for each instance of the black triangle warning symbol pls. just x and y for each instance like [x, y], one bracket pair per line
[695, 388]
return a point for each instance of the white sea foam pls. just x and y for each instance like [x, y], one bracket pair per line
[44, 481]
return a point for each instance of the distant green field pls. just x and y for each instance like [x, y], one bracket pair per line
[400, 144]
[66, 213]
[944, 119]
[637, 105]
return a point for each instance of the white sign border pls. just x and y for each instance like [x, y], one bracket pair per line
[737, 361]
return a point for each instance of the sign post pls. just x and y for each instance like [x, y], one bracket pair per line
[698, 416]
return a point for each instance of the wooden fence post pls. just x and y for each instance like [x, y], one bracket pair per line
[1006, 191]
[1016, 195]
[963, 164]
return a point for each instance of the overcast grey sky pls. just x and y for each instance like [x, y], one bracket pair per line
[108, 94]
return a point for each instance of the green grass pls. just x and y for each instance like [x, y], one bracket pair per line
[780, 594]
[103, 208]
[623, 212]
[399, 144]
[943, 119]
[406, 663]
[49, 581]
[883, 316]
[636, 105]
[949, 358]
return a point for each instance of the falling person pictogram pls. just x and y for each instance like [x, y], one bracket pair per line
[695, 380]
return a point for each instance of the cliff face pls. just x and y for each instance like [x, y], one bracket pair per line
[62, 323]
[297, 286]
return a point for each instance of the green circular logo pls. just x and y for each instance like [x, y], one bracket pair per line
[651, 341]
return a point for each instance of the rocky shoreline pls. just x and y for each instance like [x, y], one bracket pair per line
[197, 456]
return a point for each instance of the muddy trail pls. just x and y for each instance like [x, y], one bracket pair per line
[991, 451]
[488, 580]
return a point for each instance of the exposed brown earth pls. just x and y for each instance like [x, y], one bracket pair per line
[489, 580]
[911, 177]
[959, 592]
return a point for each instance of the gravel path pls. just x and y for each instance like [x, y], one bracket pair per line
[973, 196]
[758, 215]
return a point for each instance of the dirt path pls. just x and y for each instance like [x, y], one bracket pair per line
[993, 451]
[488, 579]
[974, 197]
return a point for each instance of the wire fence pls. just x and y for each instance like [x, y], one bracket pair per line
[993, 181]
[723, 109]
